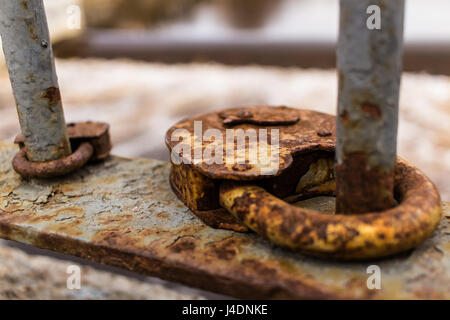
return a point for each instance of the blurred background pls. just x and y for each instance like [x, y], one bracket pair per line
[141, 65]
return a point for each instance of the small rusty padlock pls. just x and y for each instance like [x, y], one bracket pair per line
[241, 195]
[89, 140]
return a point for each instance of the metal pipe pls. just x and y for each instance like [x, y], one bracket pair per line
[29, 57]
[369, 64]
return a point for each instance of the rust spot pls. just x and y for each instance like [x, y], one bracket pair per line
[362, 188]
[90, 140]
[324, 133]
[345, 117]
[117, 237]
[197, 185]
[31, 30]
[242, 167]
[259, 116]
[162, 215]
[52, 94]
[371, 110]
[24, 4]
[253, 201]
[256, 272]
[225, 249]
[50, 169]
[183, 244]
[259, 268]
[306, 231]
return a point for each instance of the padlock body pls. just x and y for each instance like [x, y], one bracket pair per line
[306, 159]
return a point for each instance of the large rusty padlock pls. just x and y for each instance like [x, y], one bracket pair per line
[217, 181]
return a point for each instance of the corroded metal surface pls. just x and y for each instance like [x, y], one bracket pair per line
[90, 140]
[305, 137]
[55, 168]
[122, 212]
[96, 133]
[369, 63]
[300, 132]
[306, 147]
[348, 237]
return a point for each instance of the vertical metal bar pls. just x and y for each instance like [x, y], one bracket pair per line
[29, 57]
[369, 67]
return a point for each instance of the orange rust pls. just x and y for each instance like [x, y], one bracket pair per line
[74, 213]
[50, 169]
[306, 169]
[371, 110]
[91, 140]
[365, 189]
[263, 116]
[197, 185]
[96, 133]
[184, 244]
[348, 237]
[182, 249]
[52, 95]
[31, 29]
[24, 4]
[297, 133]
[226, 249]
[345, 117]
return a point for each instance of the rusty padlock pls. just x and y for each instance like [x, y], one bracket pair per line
[89, 140]
[242, 196]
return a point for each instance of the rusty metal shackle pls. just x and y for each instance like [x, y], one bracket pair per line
[348, 237]
[90, 140]
[55, 168]
[239, 197]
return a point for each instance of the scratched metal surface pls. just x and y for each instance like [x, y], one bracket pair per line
[123, 213]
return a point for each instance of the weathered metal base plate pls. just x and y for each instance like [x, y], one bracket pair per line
[122, 212]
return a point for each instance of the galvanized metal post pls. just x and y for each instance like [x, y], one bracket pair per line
[369, 63]
[29, 57]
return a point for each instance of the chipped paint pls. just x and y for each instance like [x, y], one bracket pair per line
[122, 212]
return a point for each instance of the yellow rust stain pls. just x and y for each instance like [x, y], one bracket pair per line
[288, 266]
[162, 215]
[120, 237]
[64, 220]
[226, 249]
[183, 244]
[52, 95]
[31, 29]
[107, 180]
[69, 213]
[24, 4]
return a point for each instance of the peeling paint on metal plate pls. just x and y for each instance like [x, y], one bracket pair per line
[122, 212]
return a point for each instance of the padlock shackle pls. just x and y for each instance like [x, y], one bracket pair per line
[31, 67]
[346, 237]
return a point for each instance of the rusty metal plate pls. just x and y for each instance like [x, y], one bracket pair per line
[122, 212]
